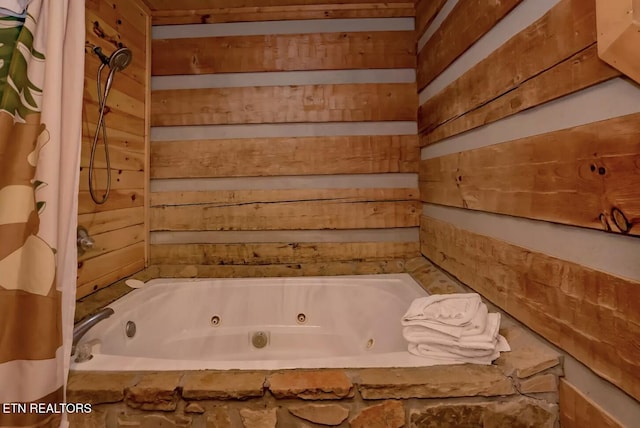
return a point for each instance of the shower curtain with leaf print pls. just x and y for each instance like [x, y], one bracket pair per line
[41, 83]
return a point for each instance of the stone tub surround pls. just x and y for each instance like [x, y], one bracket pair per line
[519, 389]
[489, 396]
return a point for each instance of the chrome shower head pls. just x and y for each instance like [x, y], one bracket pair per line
[120, 59]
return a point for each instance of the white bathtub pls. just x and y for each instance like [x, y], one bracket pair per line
[312, 322]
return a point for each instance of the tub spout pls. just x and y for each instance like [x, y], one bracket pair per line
[85, 325]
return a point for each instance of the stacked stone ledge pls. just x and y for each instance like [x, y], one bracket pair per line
[361, 398]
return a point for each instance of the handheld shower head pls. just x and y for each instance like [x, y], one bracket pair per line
[120, 59]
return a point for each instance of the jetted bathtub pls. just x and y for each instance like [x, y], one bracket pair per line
[256, 323]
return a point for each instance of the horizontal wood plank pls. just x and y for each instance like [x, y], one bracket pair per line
[123, 16]
[111, 220]
[104, 264]
[283, 52]
[280, 253]
[578, 411]
[109, 40]
[568, 28]
[284, 156]
[465, 25]
[584, 176]
[426, 11]
[283, 13]
[119, 272]
[120, 155]
[120, 179]
[113, 240]
[288, 216]
[243, 197]
[581, 71]
[108, 33]
[409, 234]
[135, 71]
[120, 139]
[129, 141]
[116, 120]
[144, 8]
[308, 209]
[592, 315]
[158, 5]
[282, 270]
[118, 199]
[123, 82]
[282, 104]
[116, 101]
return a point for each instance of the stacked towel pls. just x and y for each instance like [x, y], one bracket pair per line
[453, 327]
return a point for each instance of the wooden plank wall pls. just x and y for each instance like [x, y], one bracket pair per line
[577, 410]
[520, 118]
[205, 12]
[118, 225]
[284, 145]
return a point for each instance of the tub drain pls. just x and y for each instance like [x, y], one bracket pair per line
[259, 339]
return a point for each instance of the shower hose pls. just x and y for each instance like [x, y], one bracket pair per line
[102, 126]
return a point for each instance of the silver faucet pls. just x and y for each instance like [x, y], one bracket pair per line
[85, 325]
[84, 240]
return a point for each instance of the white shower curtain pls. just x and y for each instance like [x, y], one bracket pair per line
[41, 84]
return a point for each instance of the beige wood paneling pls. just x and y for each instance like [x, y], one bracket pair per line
[568, 28]
[584, 176]
[284, 104]
[426, 11]
[284, 13]
[284, 52]
[285, 209]
[284, 156]
[459, 31]
[578, 411]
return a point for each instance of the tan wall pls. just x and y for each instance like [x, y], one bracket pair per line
[118, 225]
[287, 143]
[530, 155]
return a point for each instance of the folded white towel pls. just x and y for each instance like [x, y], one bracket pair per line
[454, 328]
[448, 357]
[450, 309]
[499, 345]
[484, 341]
[476, 326]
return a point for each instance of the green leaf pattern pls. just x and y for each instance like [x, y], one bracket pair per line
[18, 95]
